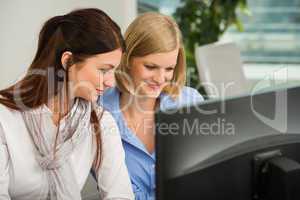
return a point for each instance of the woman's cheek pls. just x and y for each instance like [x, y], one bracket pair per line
[170, 76]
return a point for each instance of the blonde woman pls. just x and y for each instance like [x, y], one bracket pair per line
[151, 76]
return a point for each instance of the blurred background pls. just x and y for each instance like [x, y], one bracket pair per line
[21, 21]
[233, 47]
[264, 34]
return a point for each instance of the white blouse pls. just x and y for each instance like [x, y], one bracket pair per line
[22, 178]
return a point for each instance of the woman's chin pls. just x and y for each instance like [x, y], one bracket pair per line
[152, 93]
[91, 98]
[148, 92]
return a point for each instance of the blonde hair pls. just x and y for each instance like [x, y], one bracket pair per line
[153, 33]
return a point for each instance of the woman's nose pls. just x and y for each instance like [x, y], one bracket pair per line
[109, 80]
[160, 77]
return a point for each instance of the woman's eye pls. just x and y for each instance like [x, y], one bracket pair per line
[150, 67]
[170, 69]
[104, 70]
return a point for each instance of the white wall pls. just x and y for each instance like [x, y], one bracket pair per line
[20, 22]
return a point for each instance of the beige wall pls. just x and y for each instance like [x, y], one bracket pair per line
[20, 22]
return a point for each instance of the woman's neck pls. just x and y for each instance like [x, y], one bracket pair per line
[60, 106]
[137, 106]
[139, 116]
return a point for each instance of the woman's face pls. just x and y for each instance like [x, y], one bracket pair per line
[91, 77]
[151, 73]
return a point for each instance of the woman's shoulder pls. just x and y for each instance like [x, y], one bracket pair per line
[108, 124]
[2, 137]
[107, 118]
[110, 99]
[7, 113]
[188, 96]
[8, 119]
[189, 92]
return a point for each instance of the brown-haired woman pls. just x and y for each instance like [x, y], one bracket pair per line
[51, 135]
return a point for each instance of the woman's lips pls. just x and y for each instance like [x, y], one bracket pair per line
[154, 86]
[99, 91]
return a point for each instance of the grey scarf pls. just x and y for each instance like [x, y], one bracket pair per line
[62, 184]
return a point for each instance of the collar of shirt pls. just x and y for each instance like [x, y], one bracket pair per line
[111, 101]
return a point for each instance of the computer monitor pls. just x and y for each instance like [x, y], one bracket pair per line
[242, 148]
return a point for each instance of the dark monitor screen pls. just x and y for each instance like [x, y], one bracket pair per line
[207, 151]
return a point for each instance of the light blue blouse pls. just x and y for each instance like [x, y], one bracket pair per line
[141, 164]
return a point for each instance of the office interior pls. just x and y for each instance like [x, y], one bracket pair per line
[261, 53]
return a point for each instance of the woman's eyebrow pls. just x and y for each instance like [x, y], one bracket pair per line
[156, 65]
[106, 65]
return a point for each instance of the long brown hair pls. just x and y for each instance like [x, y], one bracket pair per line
[84, 32]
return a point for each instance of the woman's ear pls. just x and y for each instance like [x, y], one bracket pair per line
[66, 59]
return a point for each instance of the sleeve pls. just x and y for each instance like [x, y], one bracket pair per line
[4, 166]
[112, 177]
[195, 96]
[189, 97]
